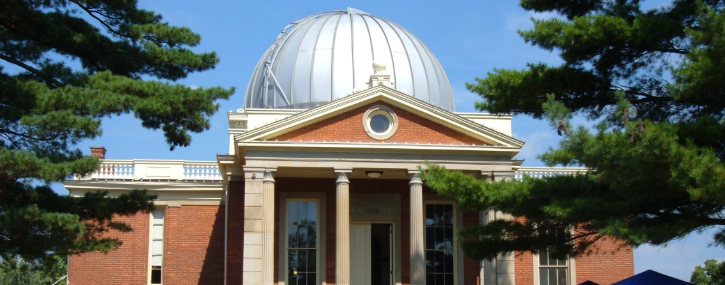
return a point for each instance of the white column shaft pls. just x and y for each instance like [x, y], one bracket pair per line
[342, 259]
[268, 229]
[417, 244]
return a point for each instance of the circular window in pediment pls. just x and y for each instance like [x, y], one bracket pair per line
[380, 122]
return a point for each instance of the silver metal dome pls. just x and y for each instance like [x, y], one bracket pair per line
[329, 55]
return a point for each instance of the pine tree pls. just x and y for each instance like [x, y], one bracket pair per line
[653, 79]
[68, 64]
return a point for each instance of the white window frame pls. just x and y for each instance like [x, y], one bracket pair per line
[570, 270]
[456, 263]
[284, 233]
[151, 244]
[380, 110]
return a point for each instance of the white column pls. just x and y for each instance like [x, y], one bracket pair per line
[268, 228]
[342, 249]
[417, 244]
[500, 270]
[253, 225]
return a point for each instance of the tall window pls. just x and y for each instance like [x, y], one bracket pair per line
[157, 245]
[302, 242]
[439, 244]
[552, 271]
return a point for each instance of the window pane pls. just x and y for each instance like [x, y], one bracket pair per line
[429, 261]
[449, 279]
[429, 237]
[448, 238]
[439, 259]
[311, 278]
[552, 261]
[157, 260]
[552, 276]
[543, 276]
[312, 236]
[292, 213]
[429, 214]
[292, 259]
[158, 232]
[311, 260]
[430, 279]
[302, 280]
[302, 237]
[562, 262]
[157, 246]
[292, 237]
[439, 238]
[302, 260]
[448, 266]
[448, 215]
[302, 213]
[562, 276]
[312, 213]
[439, 215]
[293, 279]
[544, 258]
[440, 279]
[379, 123]
[156, 275]
[158, 216]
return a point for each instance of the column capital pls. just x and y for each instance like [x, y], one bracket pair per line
[269, 174]
[253, 173]
[343, 175]
[414, 177]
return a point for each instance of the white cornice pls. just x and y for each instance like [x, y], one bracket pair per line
[487, 116]
[93, 185]
[385, 94]
[364, 147]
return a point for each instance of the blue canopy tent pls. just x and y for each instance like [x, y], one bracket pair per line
[650, 277]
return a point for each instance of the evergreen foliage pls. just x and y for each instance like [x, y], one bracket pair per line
[653, 78]
[14, 270]
[67, 65]
[712, 274]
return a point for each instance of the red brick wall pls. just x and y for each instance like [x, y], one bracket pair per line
[524, 267]
[235, 232]
[194, 241]
[99, 268]
[470, 265]
[194, 253]
[348, 127]
[611, 262]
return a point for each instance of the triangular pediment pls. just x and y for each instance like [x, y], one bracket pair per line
[342, 121]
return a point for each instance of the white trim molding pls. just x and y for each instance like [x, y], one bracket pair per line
[381, 110]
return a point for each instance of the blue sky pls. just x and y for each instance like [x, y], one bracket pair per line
[469, 38]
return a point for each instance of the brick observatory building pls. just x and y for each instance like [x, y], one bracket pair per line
[320, 186]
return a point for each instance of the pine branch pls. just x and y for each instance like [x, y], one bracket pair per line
[92, 14]
[40, 74]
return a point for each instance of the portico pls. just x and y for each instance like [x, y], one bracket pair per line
[292, 163]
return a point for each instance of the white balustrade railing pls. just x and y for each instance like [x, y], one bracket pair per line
[166, 170]
[202, 171]
[180, 170]
[541, 172]
[117, 169]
